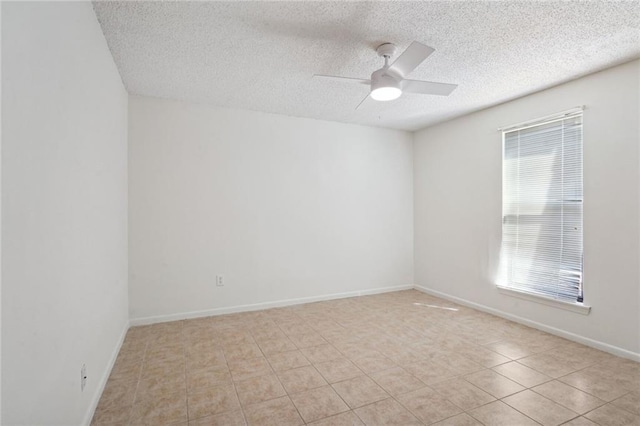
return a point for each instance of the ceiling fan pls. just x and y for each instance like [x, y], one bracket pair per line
[389, 82]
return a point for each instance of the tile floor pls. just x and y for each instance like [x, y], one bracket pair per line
[402, 358]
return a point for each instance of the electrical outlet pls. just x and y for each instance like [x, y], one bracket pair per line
[83, 377]
[219, 280]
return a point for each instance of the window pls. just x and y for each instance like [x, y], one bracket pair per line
[542, 207]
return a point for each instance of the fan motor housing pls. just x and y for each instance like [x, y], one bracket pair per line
[385, 87]
[380, 79]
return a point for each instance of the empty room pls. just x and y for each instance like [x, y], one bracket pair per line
[325, 213]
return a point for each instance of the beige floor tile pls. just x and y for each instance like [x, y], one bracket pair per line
[274, 346]
[604, 388]
[494, 383]
[162, 352]
[338, 337]
[458, 364]
[126, 370]
[345, 419]
[301, 379]
[232, 418]
[620, 365]
[462, 393]
[305, 340]
[490, 333]
[428, 405]
[275, 412]
[498, 413]
[539, 408]
[259, 389]
[485, 357]
[610, 360]
[610, 415]
[287, 360]
[248, 368]
[295, 327]
[219, 399]
[230, 337]
[459, 420]
[137, 334]
[359, 391]
[430, 372]
[580, 421]
[510, 349]
[163, 367]
[242, 351]
[166, 410]
[206, 359]
[575, 351]
[321, 353]
[629, 402]
[619, 374]
[357, 350]
[386, 412]
[522, 374]
[131, 354]
[111, 416]
[160, 386]
[201, 346]
[402, 355]
[118, 394]
[396, 381]
[568, 396]
[316, 404]
[267, 333]
[374, 363]
[551, 365]
[201, 379]
[199, 342]
[338, 369]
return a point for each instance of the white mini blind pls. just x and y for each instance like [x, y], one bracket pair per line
[542, 208]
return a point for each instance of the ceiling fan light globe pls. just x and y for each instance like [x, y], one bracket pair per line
[384, 87]
[386, 93]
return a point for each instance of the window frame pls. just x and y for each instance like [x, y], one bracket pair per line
[574, 306]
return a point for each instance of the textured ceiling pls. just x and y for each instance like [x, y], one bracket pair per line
[262, 55]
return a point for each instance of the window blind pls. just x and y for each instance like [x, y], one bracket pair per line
[542, 208]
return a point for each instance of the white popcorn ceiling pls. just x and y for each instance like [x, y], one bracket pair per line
[262, 55]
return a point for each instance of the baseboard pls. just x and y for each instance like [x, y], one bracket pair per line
[264, 305]
[103, 380]
[615, 350]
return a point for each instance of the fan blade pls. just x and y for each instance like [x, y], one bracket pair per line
[335, 77]
[427, 87]
[415, 54]
[362, 101]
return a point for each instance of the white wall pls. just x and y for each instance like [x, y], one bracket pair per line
[64, 211]
[457, 185]
[283, 207]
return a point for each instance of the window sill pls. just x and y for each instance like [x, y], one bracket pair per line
[576, 307]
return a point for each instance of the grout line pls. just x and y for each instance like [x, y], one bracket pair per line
[139, 378]
[186, 383]
[233, 383]
[278, 378]
[526, 415]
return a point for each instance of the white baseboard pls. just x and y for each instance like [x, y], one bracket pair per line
[264, 305]
[615, 350]
[103, 380]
